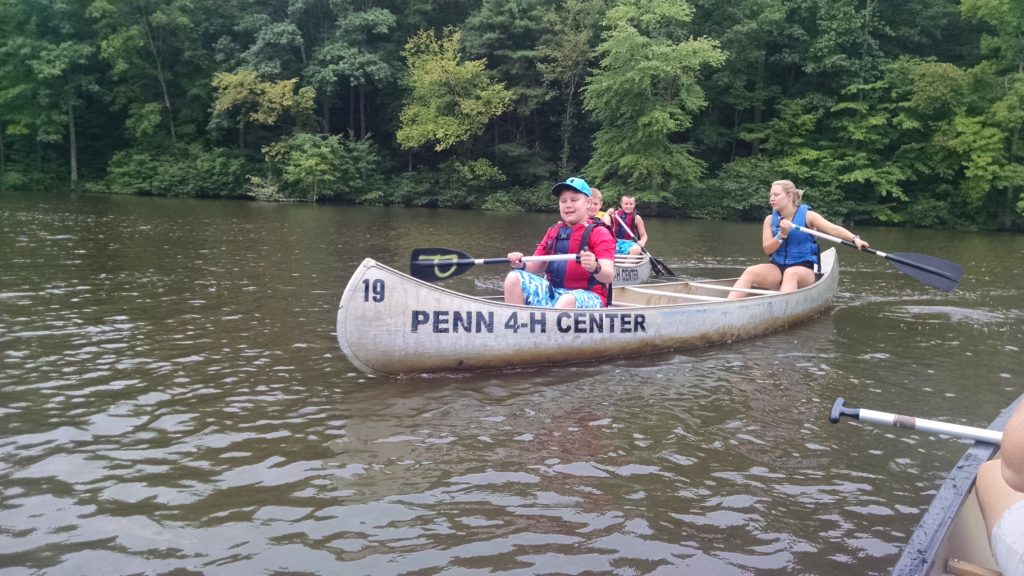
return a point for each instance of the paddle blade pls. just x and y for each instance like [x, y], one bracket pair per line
[935, 272]
[661, 268]
[433, 264]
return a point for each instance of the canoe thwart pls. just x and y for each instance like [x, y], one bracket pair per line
[672, 294]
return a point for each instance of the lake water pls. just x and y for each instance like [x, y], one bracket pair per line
[174, 401]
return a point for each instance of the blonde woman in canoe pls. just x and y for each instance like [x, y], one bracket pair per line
[793, 254]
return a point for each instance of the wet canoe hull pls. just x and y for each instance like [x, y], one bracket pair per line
[389, 323]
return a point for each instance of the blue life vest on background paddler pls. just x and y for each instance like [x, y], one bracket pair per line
[798, 247]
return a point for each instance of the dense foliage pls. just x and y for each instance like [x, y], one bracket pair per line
[902, 113]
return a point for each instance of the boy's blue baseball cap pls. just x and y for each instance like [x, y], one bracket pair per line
[575, 184]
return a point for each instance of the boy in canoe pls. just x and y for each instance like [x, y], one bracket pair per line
[628, 226]
[583, 283]
[594, 208]
[1000, 488]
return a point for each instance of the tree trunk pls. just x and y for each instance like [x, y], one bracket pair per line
[755, 145]
[241, 135]
[3, 154]
[362, 111]
[567, 125]
[151, 43]
[351, 107]
[325, 113]
[72, 144]
[735, 132]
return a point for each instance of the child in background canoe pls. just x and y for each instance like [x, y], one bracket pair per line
[1000, 489]
[566, 284]
[596, 202]
[628, 226]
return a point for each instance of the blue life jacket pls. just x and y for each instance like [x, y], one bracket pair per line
[798, 246]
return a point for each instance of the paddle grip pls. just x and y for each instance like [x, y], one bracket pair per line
[839, 409]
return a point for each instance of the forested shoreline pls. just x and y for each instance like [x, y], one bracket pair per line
[903, 113]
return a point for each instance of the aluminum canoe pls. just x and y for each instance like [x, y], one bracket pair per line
[951, 537]
[632, 269]
[391, 324]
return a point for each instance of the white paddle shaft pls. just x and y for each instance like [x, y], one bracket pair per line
[832, 238]
[925, 425]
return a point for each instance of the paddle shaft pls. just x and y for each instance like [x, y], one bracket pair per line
[955, 278]
[433, 264]
[476, 261]
[922, 424]
[659, 266]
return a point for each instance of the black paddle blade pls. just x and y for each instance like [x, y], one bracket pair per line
[661, 268]
[433, 264]
[935, 272]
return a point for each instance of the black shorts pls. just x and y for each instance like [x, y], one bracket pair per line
[782, 267]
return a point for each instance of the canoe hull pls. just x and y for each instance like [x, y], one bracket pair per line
[952, 529]
[389, 323]
[632, 270]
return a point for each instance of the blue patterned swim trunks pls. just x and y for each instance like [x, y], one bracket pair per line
[537, 291]
[623, 246]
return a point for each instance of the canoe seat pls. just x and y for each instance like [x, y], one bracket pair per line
[963, 568]
[672, 294]
[628, 259]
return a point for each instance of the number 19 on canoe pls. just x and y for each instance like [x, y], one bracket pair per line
[373, 290]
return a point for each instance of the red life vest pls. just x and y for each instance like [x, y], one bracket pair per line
[630, 219]
[563, 239]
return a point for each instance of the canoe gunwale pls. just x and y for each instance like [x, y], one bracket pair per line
[928, 540]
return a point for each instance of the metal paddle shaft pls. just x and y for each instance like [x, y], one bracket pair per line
[432, 264]
[935, 272]
[839, 409]
[659, 266]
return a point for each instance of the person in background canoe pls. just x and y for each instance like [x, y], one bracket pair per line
[1000, 489]
[792, 254]
[566, 284]
[594, 208]
[625, 243]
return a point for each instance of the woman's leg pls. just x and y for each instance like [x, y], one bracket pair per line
[766, 276]
[796, 277]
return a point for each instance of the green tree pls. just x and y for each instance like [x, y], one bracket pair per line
[449, 100]
[356, 52]
[259, 101]
[46, 69]
[757, 35]
[796, 145]
[143, 41]
[869, 181]
[644, 97]
[507, 33]
[1004, 172]
[316, 167]
[566, 54]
